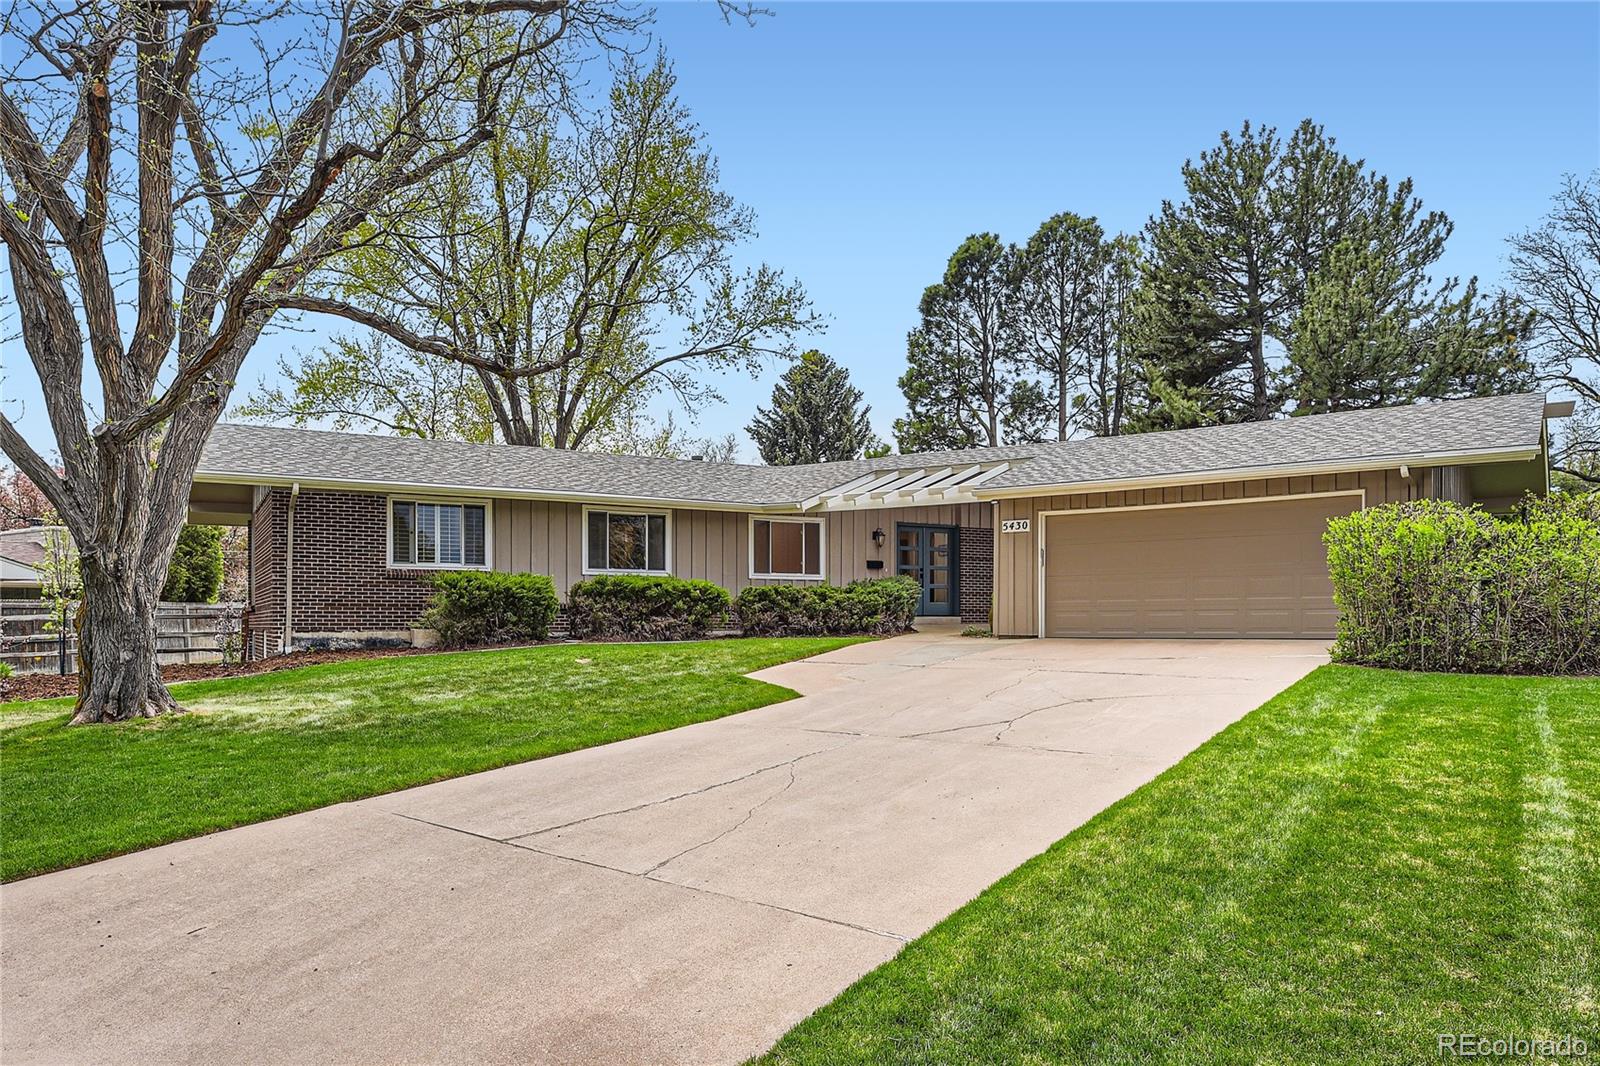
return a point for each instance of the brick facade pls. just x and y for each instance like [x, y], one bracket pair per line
[263, 619]
[343, 583]
[976, 574]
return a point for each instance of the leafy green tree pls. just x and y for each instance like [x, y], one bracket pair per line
[966, 380]
[195, 574]
[575, 269]
[816, 416]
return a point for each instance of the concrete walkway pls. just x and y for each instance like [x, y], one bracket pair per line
[684, 897]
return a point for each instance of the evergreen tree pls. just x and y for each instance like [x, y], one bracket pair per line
[1058, 274]
[816, 416]
[1275, 237]
[1215, 283]
[1110, 376]
[196, 571]
[1366, 338]
[965, 382]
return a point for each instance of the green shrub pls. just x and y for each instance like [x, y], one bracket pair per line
[637, 607]
[1430, 585]
[482, 607]
[876, 606]
[195, 574]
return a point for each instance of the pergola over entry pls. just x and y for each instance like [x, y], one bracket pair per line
[905, 486]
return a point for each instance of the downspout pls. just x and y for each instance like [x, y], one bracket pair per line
[288, 574]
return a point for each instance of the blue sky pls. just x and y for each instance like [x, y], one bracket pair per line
[871, 138]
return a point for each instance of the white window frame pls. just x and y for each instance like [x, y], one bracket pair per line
[590, 570]
[488, 532]
[822, 547]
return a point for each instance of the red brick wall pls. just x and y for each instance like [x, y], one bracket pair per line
[976, 574]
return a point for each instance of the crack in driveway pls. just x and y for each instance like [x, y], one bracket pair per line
[749, 814]
[668, 799]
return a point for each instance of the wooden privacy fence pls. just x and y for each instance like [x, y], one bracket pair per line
[31, 641]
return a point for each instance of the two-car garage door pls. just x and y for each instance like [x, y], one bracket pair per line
[1245, 569]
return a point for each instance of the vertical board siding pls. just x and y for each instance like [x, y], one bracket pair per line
[1017, 554]
[546, 537]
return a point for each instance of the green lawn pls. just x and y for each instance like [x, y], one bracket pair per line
[1369, 860]
[272, 744]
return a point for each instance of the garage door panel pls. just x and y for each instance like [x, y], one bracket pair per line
[1250, 569]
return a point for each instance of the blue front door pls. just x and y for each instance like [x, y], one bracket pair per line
[928, 554]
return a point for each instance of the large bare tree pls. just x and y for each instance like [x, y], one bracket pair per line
[579, 265]
[173, 172]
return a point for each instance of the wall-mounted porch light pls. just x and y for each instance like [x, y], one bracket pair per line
[878, 536]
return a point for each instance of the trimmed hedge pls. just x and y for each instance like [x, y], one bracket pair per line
[635, 607]
[878, 606]
[483, 607]
[1430, 585]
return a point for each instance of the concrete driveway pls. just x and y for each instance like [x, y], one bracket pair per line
[684, 897]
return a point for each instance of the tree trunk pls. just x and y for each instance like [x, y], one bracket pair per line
[118, 675]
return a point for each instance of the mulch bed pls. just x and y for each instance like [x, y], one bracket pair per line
[49, 686]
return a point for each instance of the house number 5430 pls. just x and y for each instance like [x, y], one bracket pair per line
[1014, 525]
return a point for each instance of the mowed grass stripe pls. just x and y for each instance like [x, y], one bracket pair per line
[1370, 859]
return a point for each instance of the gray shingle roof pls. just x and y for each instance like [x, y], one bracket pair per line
[1391, 435]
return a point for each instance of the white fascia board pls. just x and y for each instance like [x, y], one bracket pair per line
[1251, 473]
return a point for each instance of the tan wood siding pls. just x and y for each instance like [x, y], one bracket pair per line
[1017, 554]
[546, 537]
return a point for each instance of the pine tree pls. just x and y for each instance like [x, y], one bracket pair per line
[1276, 237]
[966, 382]
[816, 416]
[1058, 274]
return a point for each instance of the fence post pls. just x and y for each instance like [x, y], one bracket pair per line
[61, 640]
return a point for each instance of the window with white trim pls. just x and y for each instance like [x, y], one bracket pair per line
[629, 542]
[786, 547]
[437, 534]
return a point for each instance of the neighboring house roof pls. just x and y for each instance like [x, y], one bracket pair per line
[15, 573]
[1455, 431]
[21, 552]
[26, 545]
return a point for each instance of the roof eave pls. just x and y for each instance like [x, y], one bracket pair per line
[223, 477]
[1251, 473]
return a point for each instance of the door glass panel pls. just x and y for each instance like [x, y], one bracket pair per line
[908, 538]
[908, 558]
[938, 577]
[939, 539]
[938, 595]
